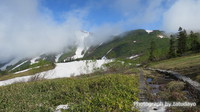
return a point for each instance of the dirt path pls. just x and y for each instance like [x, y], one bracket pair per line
[142, 87]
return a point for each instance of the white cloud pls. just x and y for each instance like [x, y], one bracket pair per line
[26, 31]
[140, 12]
[127, 6]
[104, 33]
[184, 13]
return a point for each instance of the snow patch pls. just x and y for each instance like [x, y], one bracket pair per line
[149, 31]
[134, 56]
[23, 71]
[62, 70]
[15, 80]
[81, 35]
[58, 56]
[34, 60]
[14, 61]
[109, 51]
[104, 57]
[101, 44]
[160, 36]
[26, 70]
[19, 65]
[78, 53]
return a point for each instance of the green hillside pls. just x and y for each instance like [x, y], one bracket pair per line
[68, 54]
[131, 43]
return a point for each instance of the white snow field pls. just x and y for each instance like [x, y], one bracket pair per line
[62, 70]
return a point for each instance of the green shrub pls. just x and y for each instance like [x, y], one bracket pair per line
[173, 92]
[99, 93]
[175, 86]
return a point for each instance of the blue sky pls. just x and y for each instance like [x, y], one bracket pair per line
[98, 12]
[111, 11]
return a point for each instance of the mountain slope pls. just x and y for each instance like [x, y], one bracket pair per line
[129, 44]
[132, 43]
[67, 54]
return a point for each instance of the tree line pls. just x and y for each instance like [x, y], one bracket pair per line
[180, 44]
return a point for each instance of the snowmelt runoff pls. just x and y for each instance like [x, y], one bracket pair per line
[62, 70]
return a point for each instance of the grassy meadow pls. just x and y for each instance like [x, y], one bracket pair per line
[112, 92]
[186, 65]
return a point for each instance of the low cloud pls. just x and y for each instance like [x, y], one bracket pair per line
[26, 31]
[104, 33]
[184, 13]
